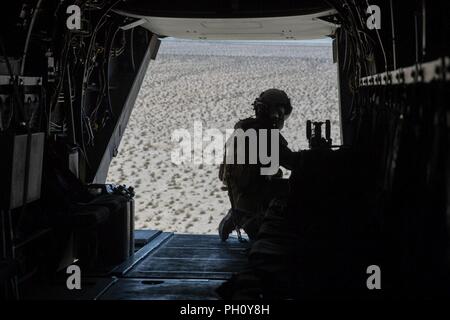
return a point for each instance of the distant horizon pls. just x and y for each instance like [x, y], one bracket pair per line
[312, 42]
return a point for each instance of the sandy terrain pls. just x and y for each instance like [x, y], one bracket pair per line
[214, 83]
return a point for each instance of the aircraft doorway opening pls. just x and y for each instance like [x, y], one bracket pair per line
[213, 83]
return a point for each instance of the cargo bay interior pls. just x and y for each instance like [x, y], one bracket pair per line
[67, 94]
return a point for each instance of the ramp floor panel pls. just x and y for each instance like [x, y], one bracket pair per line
[162, 289]
[142, 237]
[185, 256]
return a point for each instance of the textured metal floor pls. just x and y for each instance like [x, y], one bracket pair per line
[178, 267]
[184, 256]
[162, 289]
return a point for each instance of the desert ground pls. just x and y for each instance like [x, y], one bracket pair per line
[215, 83]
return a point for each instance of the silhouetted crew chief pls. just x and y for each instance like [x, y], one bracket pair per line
[250, 191]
